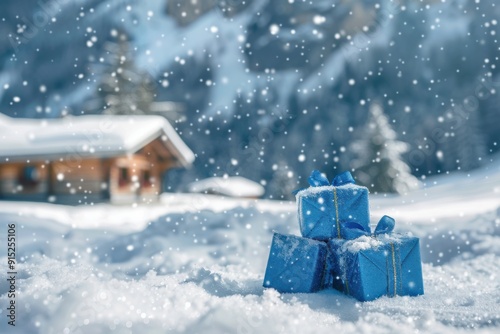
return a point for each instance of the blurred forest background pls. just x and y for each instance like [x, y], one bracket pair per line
[271, 89]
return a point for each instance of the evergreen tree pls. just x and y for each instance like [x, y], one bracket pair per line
[379, 164]
[124, 89]
[283, 182]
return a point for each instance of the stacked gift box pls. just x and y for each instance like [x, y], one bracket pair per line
[338, 250]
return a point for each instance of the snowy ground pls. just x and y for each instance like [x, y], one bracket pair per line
[195, 264]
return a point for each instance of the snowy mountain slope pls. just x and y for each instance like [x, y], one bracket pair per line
[195, 264]
[460, 195]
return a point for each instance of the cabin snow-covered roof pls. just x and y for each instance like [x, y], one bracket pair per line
[87, 136]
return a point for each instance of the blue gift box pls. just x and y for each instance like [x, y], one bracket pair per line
[370, 266]
[324, 207]
[295, 264]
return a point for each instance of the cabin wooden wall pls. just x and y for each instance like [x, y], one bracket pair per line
[90, 180]
[59, 181]
[85, 177]
[10, 185]
[140, 187]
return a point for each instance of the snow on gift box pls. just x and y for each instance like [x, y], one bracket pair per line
[295, 264]
[369, 266]
[324, 207]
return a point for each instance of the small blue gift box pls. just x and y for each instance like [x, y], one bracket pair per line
[295, 264]
[370, 266]
[324, 207]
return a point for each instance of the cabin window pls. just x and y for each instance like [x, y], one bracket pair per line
[146, 179]
[123, 178]
[29, 177]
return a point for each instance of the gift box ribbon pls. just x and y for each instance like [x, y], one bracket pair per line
[351, 231]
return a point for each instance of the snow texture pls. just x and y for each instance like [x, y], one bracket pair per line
[370, 242]
[195, 264]
[361, 243]
[234, 186]
[317, 190]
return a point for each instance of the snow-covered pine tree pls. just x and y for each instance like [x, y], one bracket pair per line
[124, 89]
[282, 183]
[379, 164]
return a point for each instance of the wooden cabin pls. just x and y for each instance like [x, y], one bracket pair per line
[88, 159]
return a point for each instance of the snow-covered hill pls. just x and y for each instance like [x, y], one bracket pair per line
[195, 264]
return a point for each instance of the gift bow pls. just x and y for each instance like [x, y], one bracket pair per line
[352, 230]
[318, 180]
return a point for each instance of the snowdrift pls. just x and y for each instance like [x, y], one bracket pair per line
[195, 263]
